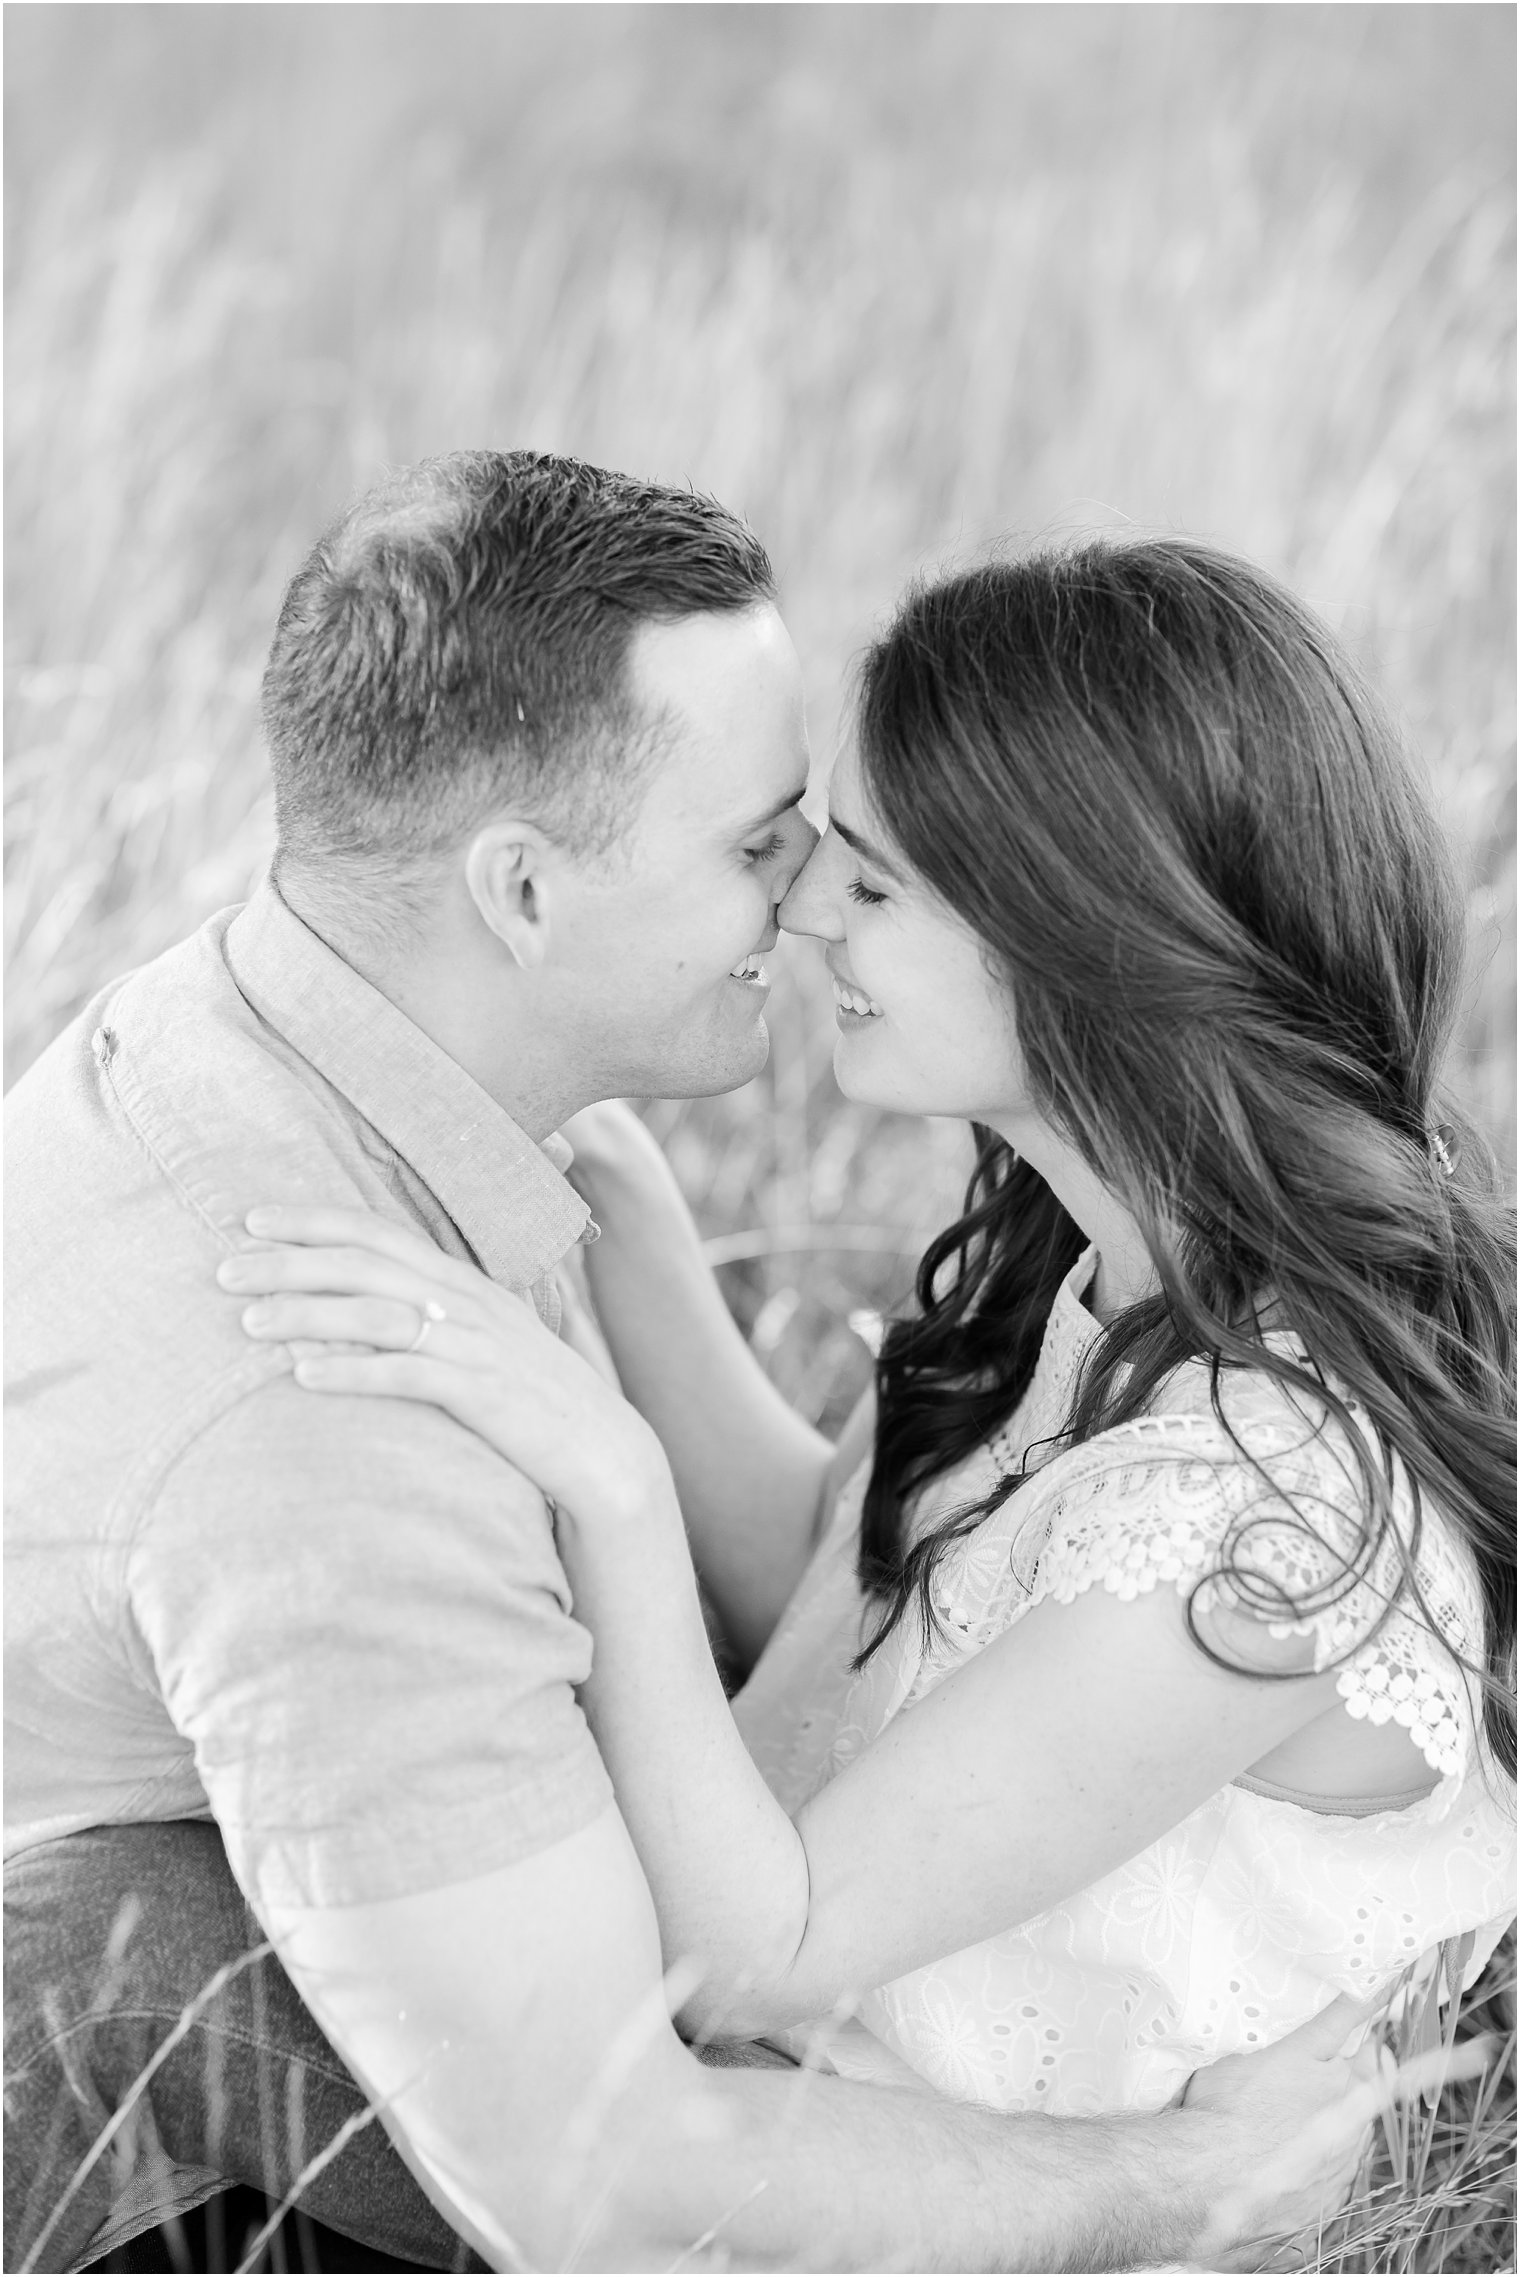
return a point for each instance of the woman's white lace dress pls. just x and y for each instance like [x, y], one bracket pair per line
[1243, 1920]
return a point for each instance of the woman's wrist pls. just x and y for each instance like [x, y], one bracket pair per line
[619, 1191]
[626, 1185]
[615, 1153]
[628, 1490]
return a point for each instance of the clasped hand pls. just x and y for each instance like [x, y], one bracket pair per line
[420, 1325]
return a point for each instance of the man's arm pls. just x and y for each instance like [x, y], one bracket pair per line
[515, 2031]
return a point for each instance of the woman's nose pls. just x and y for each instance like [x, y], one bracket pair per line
[808, 907]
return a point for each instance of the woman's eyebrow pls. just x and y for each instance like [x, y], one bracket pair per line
[866, 851]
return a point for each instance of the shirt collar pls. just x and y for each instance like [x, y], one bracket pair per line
[505, 1194]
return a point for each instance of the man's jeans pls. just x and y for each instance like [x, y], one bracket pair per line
[108, 1936]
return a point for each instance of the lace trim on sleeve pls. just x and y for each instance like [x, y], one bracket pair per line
[1172, 1499]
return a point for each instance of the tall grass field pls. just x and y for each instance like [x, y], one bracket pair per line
[897, 282]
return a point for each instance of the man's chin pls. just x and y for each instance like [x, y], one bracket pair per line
[725, 1067]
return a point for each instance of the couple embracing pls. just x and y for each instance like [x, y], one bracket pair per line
[1124, 1714]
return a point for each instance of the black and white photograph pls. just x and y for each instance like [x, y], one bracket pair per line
[760, 1136]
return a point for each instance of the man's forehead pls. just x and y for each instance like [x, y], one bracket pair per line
[727, 693]
[705, 661]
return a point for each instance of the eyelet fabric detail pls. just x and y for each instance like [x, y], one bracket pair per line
[1242, 1921]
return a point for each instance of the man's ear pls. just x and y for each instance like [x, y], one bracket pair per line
[507, 871]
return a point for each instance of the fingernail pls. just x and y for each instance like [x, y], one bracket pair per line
[255, 1316]
[264, 1219]
[232, 1272]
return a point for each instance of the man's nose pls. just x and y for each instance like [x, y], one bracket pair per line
[799, 857]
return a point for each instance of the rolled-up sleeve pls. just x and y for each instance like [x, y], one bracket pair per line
[356, 1615]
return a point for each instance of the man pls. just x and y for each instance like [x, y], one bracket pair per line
[538, 747]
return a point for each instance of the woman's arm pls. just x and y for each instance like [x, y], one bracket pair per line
[1061, 1750]
[1058, 1752]
[749, 1472]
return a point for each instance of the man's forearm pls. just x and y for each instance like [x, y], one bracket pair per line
[514, 2030]
[801, 2170]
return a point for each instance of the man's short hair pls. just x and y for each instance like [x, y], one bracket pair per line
[458, 641]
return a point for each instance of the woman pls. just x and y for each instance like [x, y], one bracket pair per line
[1129, 874]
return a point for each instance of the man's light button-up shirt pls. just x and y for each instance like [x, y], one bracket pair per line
[339, 1624]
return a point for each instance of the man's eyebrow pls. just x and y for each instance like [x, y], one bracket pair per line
[866, 851]
[774, 813]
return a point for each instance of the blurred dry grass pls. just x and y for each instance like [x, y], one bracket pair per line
[1438, 2189]
[893, 281]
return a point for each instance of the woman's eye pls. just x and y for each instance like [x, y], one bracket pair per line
[863, 893]
[767, 852]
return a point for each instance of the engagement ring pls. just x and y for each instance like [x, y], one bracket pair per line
[431, 1311]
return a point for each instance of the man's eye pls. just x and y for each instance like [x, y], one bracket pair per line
[863, 893]
[767, 852]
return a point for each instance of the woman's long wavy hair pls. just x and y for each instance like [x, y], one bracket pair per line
[1232, 938]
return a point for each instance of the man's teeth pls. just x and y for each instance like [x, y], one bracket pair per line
[852, 1000]
[751, 969]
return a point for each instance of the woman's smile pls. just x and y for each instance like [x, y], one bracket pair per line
[852, 1006]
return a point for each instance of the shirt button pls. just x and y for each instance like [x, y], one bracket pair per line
[589, 1232]
[102, 1044]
